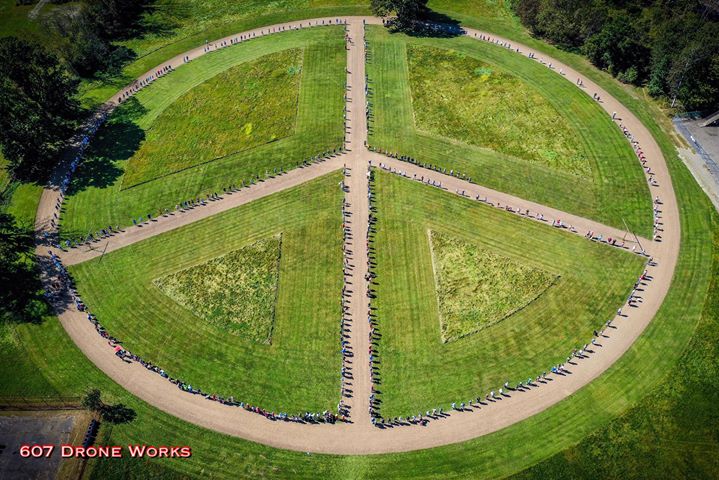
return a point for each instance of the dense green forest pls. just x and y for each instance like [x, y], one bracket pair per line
[669, 46]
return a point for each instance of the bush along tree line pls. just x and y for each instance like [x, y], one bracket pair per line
[669, 46]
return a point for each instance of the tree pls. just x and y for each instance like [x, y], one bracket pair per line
[117, 413]
[671, 46]
[528, 11]
[117, 19]
[20, 295]
[81, 45]
[93, 400]
[87, 32]
[618, 47]
[406, 11]
[38, 107]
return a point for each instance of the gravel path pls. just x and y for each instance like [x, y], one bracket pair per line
[359, 436]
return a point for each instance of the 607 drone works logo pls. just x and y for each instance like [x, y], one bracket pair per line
[105, 451]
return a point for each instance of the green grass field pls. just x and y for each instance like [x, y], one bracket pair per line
[236, 291]
[246, 106]
[175, 26]
[17, 198]
[299, 370]
[418, 370]
[97, 198]
[614, 191]
[475, 103]
[14, 21]
[651, 416]
[477, 288]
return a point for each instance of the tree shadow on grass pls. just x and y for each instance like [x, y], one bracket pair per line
[117, 140]
[432, 25]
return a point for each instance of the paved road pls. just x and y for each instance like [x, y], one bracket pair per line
[359, 436]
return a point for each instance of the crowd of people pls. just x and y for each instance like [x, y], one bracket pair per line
[346, 375]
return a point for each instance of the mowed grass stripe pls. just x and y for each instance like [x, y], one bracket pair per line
[616, 190]
[97, 200]
[322, 80]
[418, 370]
[300, 369]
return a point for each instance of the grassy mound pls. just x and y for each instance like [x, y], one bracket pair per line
[471, 101]
[477, 288]
[248, 105]
[418, 369]
[236, 291]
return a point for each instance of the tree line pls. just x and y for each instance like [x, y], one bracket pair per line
[669, 46]
[40, 112]
[39, 109]
[86, 32]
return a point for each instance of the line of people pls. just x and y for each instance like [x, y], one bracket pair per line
[62, 286]
[49, 232]
[185, 205]
[138, 85]
[374, 336]
[634, 300]
[346, 374]
[428, 166]
[658, 225]
[556, 223]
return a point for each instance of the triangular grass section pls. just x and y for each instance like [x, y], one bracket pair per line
[236, 291]
[248, 105]
[477, 288]
[462, 98]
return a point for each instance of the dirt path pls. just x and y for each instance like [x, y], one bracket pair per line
[360, 437]
[537, 212]
[177, 219]
[356, 245]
